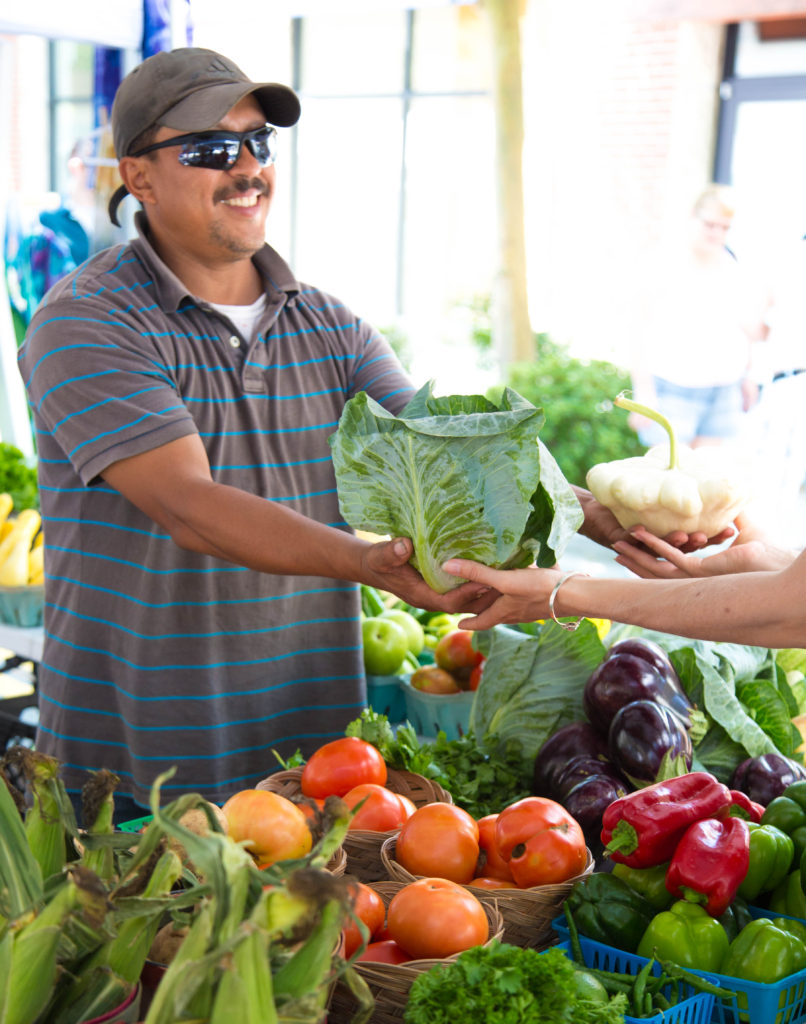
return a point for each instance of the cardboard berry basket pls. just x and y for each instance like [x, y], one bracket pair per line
[390, 983]
[528, 913]
[363, 848]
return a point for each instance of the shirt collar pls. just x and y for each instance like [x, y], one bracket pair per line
[170, 292]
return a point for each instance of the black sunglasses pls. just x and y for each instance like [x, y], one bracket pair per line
[220, 150]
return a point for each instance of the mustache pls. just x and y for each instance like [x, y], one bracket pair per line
[240, 185]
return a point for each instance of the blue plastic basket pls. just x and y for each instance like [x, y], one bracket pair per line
[693, 1008]
[385, 696]
[431, 713]
[755, 1002]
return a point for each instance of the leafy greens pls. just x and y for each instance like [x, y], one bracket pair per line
[460, 476]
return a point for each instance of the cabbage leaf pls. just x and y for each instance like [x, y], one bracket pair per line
[459, 475]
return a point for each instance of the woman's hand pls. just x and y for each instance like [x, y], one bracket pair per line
[524, 593]
[652, 558]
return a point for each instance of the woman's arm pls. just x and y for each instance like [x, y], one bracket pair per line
[758, 608]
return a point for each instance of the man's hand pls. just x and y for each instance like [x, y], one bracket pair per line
[387, 567]
[601, 526]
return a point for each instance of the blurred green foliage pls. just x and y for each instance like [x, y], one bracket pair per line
[18, 477]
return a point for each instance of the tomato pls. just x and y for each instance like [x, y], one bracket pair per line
[480, 882]
[274, 828]
[381, 811]
[541, 842]
[385, 952]
[367, 907]
[475, 677]
[409, 806]
[338, 766]
[491, 864]
[455, 653]
[434, 917]
[439, 839]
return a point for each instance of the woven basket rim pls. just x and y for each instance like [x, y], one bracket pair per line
[397, 872]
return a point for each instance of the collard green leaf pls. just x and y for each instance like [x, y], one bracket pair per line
[459, 475]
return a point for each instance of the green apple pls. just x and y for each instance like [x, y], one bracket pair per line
[385, 645]
[412, 628]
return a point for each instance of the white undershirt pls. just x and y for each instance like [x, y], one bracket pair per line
[245, 318]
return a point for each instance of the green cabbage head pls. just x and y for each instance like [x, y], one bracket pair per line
[459, 475]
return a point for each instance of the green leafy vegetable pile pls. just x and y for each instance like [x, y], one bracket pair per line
[505, 984]
[459, 475]
[18, 478]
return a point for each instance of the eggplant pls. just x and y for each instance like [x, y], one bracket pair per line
[580, 768]
[765, 777]
[641, 734]
[587, 802]
[624, 677]
[572, 740]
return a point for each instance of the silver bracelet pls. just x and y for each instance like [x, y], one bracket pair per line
[571, 626]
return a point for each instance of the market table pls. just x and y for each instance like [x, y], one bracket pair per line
[24, 642]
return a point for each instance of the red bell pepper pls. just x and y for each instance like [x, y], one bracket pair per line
[741, 806]
[710, 863]
[643, 828]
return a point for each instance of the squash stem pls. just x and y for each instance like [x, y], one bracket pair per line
[644, 410]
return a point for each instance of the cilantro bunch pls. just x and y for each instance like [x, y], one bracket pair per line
[482, 776]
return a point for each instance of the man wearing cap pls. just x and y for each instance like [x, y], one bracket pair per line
[201, 606]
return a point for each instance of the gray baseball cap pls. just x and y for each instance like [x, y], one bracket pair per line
[189, 89]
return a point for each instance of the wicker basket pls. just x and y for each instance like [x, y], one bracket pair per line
[364, 847]
[527, 913]
[390, 983]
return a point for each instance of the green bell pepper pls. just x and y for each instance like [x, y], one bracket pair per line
[771, 853]
[788, 813]
[686, 934]
[798, 929]
[649, 882]
[789, 898]
[762, 952]
[606, 909]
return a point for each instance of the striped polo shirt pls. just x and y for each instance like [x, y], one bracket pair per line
[155, 657]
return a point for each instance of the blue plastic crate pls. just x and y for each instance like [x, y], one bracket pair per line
[780, 1002]
[693, 1008]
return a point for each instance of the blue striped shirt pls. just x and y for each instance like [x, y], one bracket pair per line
[156, 657]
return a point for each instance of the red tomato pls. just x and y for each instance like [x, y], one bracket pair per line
[434, 917]
[274, 827]
[369, 908]
[491, 864]
[475, 677]
[541, 842]
[439, 840]
[455, 653]
[338, 766]
[381, 811]
[480, 882]
[385, 952]
[409, 806]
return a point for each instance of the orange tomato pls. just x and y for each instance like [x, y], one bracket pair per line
[337, 766]
[491, 864]
[434, 917]
[272, 827]
[439, 840]
[368, 907]
[541, 842]
[409, 806]
[381, 810]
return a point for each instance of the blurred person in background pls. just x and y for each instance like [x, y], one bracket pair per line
[696, 314]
